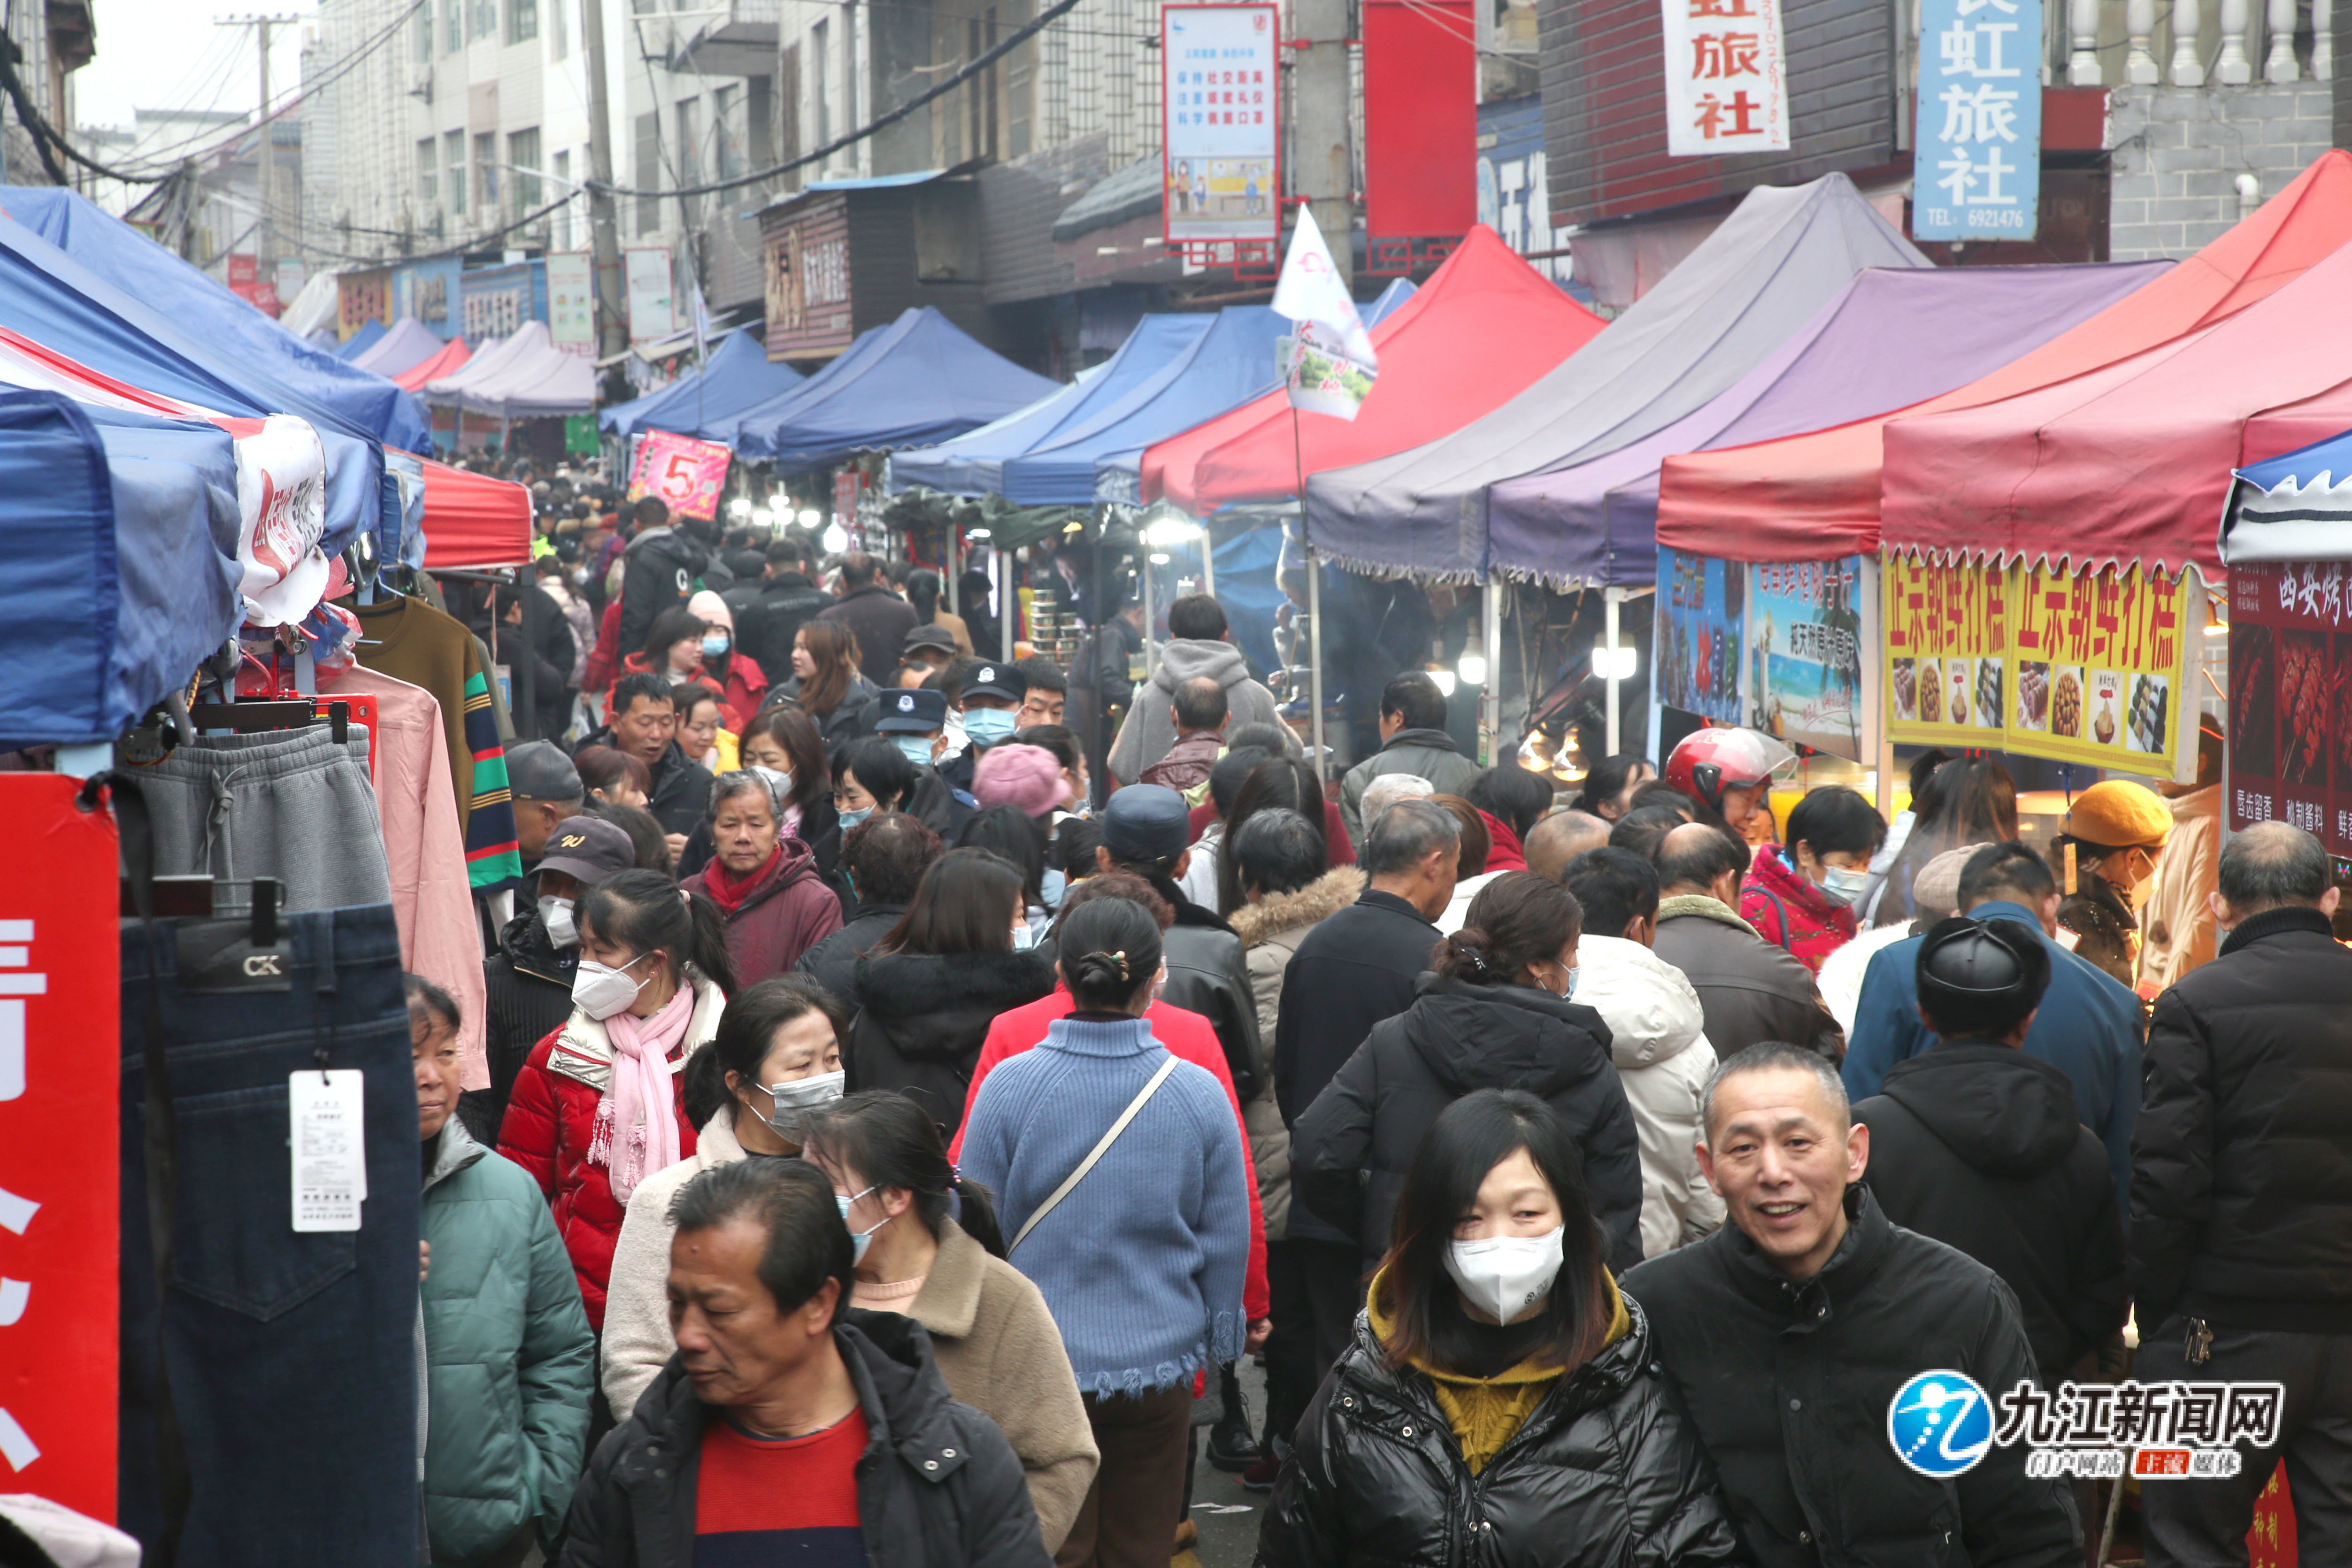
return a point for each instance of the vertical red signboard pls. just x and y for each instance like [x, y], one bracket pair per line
[61, 1084]
[1421, 118]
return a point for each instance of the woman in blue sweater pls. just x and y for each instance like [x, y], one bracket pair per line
[1142, 1260]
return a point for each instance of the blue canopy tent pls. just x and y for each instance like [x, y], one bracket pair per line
[739, 378]
[862, 348]
[114, 330]
[974, 464]
[925, 382]
[118, 564]
[1227, 364]
[2293, 507]
[205, 311]
[371, 333]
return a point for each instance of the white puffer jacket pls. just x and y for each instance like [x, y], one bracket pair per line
[1658, 1041]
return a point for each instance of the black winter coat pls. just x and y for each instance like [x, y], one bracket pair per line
[1607, 1469]
[526, 995]
[938, 1486]
[1355, 969]
[1789, 1386]
[2241, 1159]
[923, 1016]
[1350, 1151]
[662, 566]
[778, 608]
[833, 962]
[1977, 1144]
[680, 796]
[1208, 973]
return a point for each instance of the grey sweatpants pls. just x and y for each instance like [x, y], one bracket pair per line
[287, 804]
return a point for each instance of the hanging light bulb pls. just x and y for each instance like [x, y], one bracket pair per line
[1472, 664]
[835, 538]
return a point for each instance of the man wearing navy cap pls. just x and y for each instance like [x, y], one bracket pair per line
[916, 722]
[547, 791]
[991, 697]
[528, 982]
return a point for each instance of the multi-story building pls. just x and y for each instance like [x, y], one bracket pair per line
[53, 39]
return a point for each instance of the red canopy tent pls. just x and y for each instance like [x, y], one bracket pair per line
[452, 355]
[1483, 326]
[2290, 428]
[2129, 465]
[473, 520]
[1812, 497]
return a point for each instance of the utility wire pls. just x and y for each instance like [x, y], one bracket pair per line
[979, 63]
[45, 138]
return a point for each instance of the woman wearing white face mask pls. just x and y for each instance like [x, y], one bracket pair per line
[929, 1248]
[1801, 897]
[773, 1069]
[597, 1108]
[1498, 1014]
[1499, 1389]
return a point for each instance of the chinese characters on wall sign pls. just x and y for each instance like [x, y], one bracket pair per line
[1979, 125]
[1222, 127]
[1727, 86]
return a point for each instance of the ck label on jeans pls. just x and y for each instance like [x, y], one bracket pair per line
[329, 1148]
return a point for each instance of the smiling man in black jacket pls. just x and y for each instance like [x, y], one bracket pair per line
[1790, 1332]
[2242, 1195]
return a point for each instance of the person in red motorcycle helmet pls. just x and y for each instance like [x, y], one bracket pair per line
[1727, 770]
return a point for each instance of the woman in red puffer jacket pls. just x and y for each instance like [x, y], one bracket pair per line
[598, 1108]
[1799, 897]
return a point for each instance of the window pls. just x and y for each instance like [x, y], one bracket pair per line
[425, 35]
[820, 67]
[453, 26]
[486, 155]
[649, 172]
[453, 162]
[485, 20]
[559, 28]
[522, 157]
[726, 132]
[760, 122]
[522, 21]
[428, 183]
[561, 236]
[690, 158]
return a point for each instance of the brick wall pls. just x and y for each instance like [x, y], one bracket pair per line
[2178, 150]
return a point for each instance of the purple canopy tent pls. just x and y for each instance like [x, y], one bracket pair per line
[409, 343]
[1893, 337]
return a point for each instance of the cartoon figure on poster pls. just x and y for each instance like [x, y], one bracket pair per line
[684, 474]
[1698, 637]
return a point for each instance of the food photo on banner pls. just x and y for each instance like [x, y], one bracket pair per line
[2290, 713]
[684, 474]
[1809, 624]
[1698, 634]
[2113, 648]
[1947, 634]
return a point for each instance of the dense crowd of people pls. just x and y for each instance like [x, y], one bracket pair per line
[1587, 1174]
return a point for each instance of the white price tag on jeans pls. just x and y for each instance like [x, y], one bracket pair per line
[328, 1145]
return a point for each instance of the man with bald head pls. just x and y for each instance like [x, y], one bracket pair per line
[1557, 839]
[1751, 991]
[1798, 1334]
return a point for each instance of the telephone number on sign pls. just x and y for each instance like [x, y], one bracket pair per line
[1979, 218]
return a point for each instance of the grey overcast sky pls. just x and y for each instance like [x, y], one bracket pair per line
[168, 54]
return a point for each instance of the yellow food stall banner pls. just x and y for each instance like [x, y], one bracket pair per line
[1946, 644]
[2083, 668]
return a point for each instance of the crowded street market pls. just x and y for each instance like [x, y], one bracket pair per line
[1409, 919]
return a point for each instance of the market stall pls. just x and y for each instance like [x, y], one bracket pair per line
[1779, 257]
[920, 380]
[1483, 326]
[525, 377]
[370, 333]
[739, 376]
[408, 343]
[447, 361]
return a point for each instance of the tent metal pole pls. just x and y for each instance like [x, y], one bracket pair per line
[1610, 599]
[1208, 562]
[955, 569]
[1315, 662]
[1143, 574]
[1490, 699]
[1007, 605]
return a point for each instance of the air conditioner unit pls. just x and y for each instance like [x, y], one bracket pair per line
[422, 87]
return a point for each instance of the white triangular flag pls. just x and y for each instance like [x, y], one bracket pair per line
[1310, 290]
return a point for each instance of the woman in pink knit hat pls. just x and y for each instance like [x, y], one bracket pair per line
[742, 687]
[1025, 776]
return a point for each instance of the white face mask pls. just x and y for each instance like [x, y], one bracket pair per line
[1024, 939]
[600, 990]
[779, 783]
[794, 1100]
[859, 1240]
[1842, 887]
[556, 915]
[1503, 1275]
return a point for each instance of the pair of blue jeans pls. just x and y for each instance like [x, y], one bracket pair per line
[291, 1357]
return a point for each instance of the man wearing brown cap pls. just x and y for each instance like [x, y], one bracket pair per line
[2089, 1025]
[529, 979]
[2116, 831]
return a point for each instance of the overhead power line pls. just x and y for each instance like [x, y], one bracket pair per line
[979, 63]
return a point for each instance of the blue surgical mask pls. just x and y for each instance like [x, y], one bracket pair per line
[714, 644]
[850, 819]
[1574, 973]
[859, 1240]
[986, 727]
[916, 749]
[1842, 887]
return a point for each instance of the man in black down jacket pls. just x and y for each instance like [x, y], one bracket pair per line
[885, 857]
[662, 564]
[760, 1269]
[1977, 1144]
[877, 618]
[1788, 1332]
[785, 601]
[2242, 1195]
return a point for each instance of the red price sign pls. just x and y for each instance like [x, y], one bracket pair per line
[684, 474]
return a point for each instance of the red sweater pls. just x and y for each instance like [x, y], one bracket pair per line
[1188, 1037]
[1791, 913]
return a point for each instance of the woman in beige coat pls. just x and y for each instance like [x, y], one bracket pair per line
[776, 1061]
[928, 1247]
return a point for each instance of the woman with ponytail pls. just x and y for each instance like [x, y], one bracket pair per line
[928, 1247]
[1142, 1259]
[1498, 1014]
[597, 1108]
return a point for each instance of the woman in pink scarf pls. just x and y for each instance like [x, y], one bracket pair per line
[597, 1108]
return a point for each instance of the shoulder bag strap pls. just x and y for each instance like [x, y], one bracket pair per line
[1102, 1147]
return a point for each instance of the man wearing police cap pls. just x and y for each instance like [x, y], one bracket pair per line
[988, 697]
[1978, 1144]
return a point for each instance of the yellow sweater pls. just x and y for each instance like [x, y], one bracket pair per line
[1484, 1412]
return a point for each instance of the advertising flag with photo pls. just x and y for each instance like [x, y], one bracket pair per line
[1330, 365]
